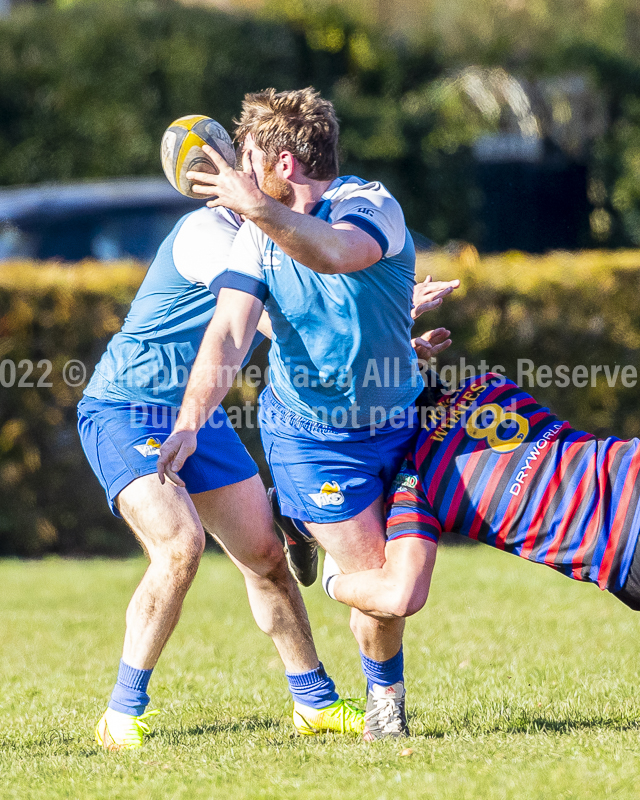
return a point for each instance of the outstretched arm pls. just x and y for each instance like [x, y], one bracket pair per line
[428, 296]
[328, 249]
[224, 346]
[430, 343]
[399, 588]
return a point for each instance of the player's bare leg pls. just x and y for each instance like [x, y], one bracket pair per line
[358, 544]
[165, 522]
[239, 517]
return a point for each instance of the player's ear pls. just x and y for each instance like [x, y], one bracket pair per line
[287, 163]
[247, 165]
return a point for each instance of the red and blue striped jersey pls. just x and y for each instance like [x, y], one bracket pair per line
[494, 465]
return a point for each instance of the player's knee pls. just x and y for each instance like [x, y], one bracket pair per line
[196, 549]
[266, 559]
[182, 556]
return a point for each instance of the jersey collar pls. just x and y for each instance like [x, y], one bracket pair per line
[327, 195]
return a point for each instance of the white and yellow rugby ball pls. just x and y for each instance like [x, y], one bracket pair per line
[181, 150]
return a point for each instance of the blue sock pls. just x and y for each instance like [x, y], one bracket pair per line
[130, 692]
[314, 688]
[384, 673]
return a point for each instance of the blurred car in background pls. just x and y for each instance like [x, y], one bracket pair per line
[105, 220]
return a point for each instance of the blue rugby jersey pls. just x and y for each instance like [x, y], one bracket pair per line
[341, 343]
[493, 465]
[150, 358]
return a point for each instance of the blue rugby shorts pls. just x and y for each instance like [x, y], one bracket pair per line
[326, 474]
[122, 441]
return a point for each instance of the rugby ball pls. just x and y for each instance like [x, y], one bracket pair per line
[181, 150]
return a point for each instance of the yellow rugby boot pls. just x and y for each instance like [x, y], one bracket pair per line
[340, 717]
[117, 731]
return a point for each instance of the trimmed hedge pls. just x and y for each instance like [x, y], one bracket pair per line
[50, 500]
[560, 309]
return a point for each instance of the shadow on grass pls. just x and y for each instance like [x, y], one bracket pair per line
[243, 725]
[60, 743]
[55, 743]
[532, 725]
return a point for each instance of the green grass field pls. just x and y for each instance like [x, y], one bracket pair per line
[522, 685]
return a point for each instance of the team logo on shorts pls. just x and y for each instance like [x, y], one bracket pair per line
[404, 481]
[330, 494]
[150, 448]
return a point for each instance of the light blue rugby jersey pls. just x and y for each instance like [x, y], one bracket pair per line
[341, 349]
[150, 358]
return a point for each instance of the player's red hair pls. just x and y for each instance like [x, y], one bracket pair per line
[299, 121]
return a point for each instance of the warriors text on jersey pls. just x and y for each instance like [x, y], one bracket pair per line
[493, 465]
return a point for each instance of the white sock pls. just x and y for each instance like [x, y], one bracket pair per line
[330, 571]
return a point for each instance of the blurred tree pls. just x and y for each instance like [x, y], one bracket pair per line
[86, 90]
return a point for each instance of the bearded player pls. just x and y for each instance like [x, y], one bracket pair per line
[128, 410]
[333, 263]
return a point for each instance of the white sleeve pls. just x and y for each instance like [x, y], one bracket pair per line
[203, 252]
[245, 270]
[374, 210]
[202, 246]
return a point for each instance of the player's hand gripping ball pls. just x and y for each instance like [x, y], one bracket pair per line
[181, 150]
